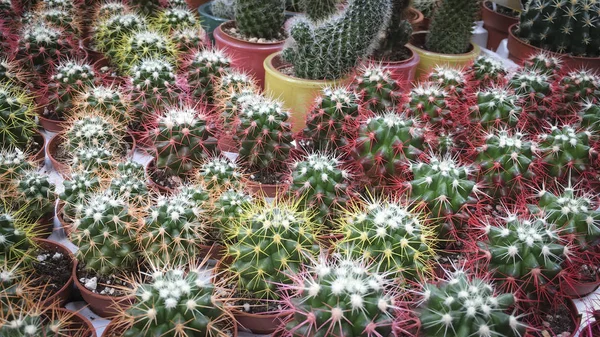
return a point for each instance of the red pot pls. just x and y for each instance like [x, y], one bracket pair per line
[103, 305]
[575, 289]
[591, 330]
[40, 156]
[404, 71]
[94, 56]
[51, 124]
[51, 150]
[261, 324]
[227, 144]
[415, 17]
[213, 252]
[518, 51]
[496, 24]
[63, 294]
[78, 324]
[193, 4]
[246, 56]
[266, 190]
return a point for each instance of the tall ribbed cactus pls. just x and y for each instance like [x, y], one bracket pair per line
[260, 18]
[396, 34]
[452, 26]
[315, 48]
[562, 26]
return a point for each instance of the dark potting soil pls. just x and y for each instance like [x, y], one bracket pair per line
[162, 178]
[559, 323]
[268, 178]
[588, 273]
[503, 10]
[393, 55]
[231, 30]
[52, 271]
[109, 285]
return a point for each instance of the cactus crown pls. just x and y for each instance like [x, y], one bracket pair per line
[589, 115]
[544, 63]
[188, 38]
[228, 208]
[110, 8]
[61, 18]
[377, 87]
[93, 131]
[205, 69]
[565, 150]
[496, 107]
[452, 80]
[13, 162]
[111, 31]
[470, 306]
[176, 17]
[41, 45]
[72, 72]
[580, 86]
[129, 183]
[145, 44]
[76, 191]
[144, 75]
[220, 172]
[428, 101]
[260, 18]
[108, 100]
[17, 118]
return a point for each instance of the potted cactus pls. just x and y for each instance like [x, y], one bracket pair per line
[34, 191]
[497, 19]
[214, 13]
[17, 118]
[109, 32]
[487, 71]
[204, 69]
[448, 40]
[542, 26]
[37, 320]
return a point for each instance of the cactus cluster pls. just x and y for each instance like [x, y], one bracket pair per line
[17, 117]
[41, 46]
[77, 188]
[110, 32]
[496, 108]
[377, 88]
[487, 71]
[261, 19]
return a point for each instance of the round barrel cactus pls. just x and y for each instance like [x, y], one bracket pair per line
[496, 107]
[17, 117]
[205, 67]
[220, 172]
[109, 100]
[566, 150]
[376, 87]
[429, 102]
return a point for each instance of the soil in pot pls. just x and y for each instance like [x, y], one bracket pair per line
[230, 29]
[163, 179]
[51, 271]
[560, 323]
[398, 55]
[268, 178]
[111, 285]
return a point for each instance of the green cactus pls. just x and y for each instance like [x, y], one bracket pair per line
[142, 45]
[204, 69]
[129, 183]
[261, 19]
[109, 9]
[231, 101]
[13, 163]
[77, 188]
[147, 7]
[17, 117]
[177, 4]
[14, 284]
[265, 135]
[173, 230]
[170, 19]
[376, 87]
[188, 39]
[106, 235]
[452, 26]
[398, 241]
[228, 208]
[60, 4]
[224, 9]
[234, 80]
[429, 102]
[29, 320]
[62, 19]
[321, 184]
[41, 46]
[183, 137]
[314, 48]
[70, 78]
[536, 91]
[544, 63]
[384, 145]
[452, 80]
[110, 32]
[96, 159]
[589, 116]
[271, 241]
[579, 87]
[396, 35]
[561, 26]
[89, 130]
[565, 150]
[504, 161]
[220, 172]
[496, 108]
[317, 10]
[36, 194]
[181, 303]
[464, 305]
[109, 100]
[488, 71]
[16, 232]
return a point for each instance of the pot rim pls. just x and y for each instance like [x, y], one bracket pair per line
[245, 42]
[270, 314]
[297, 81]
[475, 50]
[206, 10]
[413, 56]
[85, 290]
[79, 316]
[63, 248]
[419, 15]
[489, 10]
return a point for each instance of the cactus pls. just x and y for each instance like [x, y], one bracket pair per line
[234, 80]
[62, 19]
[228, 208]
[453, 81]
[332, 121]
[89, 130]
[321, 183]
[13, 163]
[572, 211]
[265, 135]
[106, 235]
[173, 230]
[15, 233]
[109, 33]
[398, 241]
[429, 102]
[35, 192]
[551, 26]
[261, 19]
[465, 305]
[487, 71]
[544, 63]
[224, 9]
[205, 67]
[67, 5]
[504, 161]
[220, 172]
[182, 302]
[525, 255]
[231, 101]
[579, 87]
[317, 10]
[108, 100]
[566, 150]
[41, 46]
[176, 18]
[183, 137]
[271, 241]
[28, 320]
[452, 26]
[384, 145]
[177, 4]
[17, 117]
[536, 91]
[129, 183]
[96, 159]
[496, 108]
[396, 35]
[142, 45]
[589, 116]
[11, 71]
[147, 7]
[188, 39]
[376, 87]
[76, 192]
[310, 44]
[69, 78]
[109, 9]
[342, 297]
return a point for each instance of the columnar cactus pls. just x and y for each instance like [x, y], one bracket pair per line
[261, 19]
[397, 241]
[566, 150]
[129, 183]
[332, 122]
[342, 298]
[36, 194]
[173, 230]
[17, 117]
[496, 108]
[110, 32]
[271, 241]
[395, 36]
[504, 161]
[153, 84]
[550, 25]
[228, 208]
[310, 43]
[77, 189]
[452, 26]
[41, 46]
[321, 183]
[465, 305]
[573, 212]
[384, 145]
[429, 102]
[142, 45]
[106, 235]
[536, 91]
[205, 67]
[376, 88]
[220, 172]
[70, 78]
[182, 302]
[224, 9]
[265, 134]
[109, 100]
[525, 255]
[487, 71]
[183, 137]
[452, 80]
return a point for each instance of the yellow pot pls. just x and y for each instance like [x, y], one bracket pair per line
[298, 95]
[430, 59]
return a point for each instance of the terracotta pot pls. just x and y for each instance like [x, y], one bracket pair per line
[78, 324]
[297, 94]
[245, 55]
[227, 144]
[103, 305]
[150, 167]
[266, 190]
[430, 59]
[51, 151]
[404, 71]
[213, 252]
[40, 156]
[415, 17]
[496, 24]
[261, 324]
[63, 224]
[51, 125]
[64, 293]
[580, 289]
[591, 330]
[518, 51]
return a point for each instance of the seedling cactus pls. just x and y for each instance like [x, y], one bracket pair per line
[129, 183]
[376, 87]
[205, 67]
[17, 117]
[496, 108]
[566, 150]
[544, 63]
[261, 19]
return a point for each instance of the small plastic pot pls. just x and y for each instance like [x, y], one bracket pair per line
[64, 293]
[103, 305]
[51, 125]
[246, 56]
